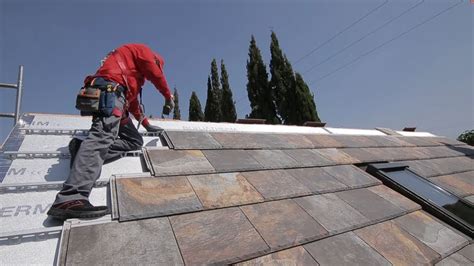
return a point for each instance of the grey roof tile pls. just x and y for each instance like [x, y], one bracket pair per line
[192, 140]
[432, 233]
[317, 180]
[457, 183]
[468, 252]
[276, 223]
[395, 198]
[372, 206]
[145, 242]
[389, 141]
[420, 141]
[440, 152]
[295, 141]
[276, 184]
[217, 237]
[251, 141]
[172, 162]
[363, 155]
[351, 141]
[154, 196]
[344, 249]
[396, 245]
[448, 141]
[323, 141]
[231, 160]
[271, 159]
[293, 256]
[308, 157]
[351, 176]
[454, 260]
[337, 156]
[332, 213]
[221, 190]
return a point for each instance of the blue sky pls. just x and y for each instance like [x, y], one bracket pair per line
[422, 79]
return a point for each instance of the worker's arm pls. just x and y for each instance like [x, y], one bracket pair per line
[137, 112]
[149, 65]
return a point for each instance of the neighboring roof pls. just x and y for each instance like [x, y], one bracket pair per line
[226, 193]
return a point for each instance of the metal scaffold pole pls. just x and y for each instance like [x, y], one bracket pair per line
[19, 90]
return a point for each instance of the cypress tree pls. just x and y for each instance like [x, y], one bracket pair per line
[216, 88]
[176, 111]
[258, 90]
[227, 102]
[195, 110]
[212, 111]
[305, 108]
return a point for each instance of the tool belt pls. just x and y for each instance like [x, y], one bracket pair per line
[98, 98]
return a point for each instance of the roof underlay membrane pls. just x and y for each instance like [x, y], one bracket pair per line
[220, 193]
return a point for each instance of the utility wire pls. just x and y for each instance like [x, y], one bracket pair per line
[389, 41]
[365, 36]
[341, 32]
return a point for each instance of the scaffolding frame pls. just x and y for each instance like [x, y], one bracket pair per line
[19, 90]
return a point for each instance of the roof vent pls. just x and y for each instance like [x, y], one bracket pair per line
[250, 121]
[409, 129]
[314, 124]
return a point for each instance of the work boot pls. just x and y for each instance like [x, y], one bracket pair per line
[74, 145]
[76, 209]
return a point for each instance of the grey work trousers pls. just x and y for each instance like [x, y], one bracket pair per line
[108, 139]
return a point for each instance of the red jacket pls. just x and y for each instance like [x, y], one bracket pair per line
[141, 63]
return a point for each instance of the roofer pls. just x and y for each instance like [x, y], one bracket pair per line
[109, 95]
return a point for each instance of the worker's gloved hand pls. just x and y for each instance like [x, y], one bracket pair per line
[169, 105]
[152, 128]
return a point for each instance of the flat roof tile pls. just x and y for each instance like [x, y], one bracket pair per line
[372, 206]
[434, 234]
[173, 162]
[145, 197]
[222, 190]
[275, 221]
[293, 256]
[345, 249]
[455, 259]
[144, 242]
[308, 157]
[395, 198]
[271, 159]
[396, 245]
[231, 160]
[337, 156]
[455, 183]
[192, 140]
[332, 212]
[217, 237]
[351, 176]
[317, 180]
[468, 252]
[276, 184]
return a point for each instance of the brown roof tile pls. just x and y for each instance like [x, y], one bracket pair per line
[332, 212]
[468, 252]
[172, 162]
[192, 140]
[395, 198]
[372, 206]
[123, 243]
[271, 159]
[455, 259]
[276, 184]
[221, 190]
[217, 237]
[283, 223]
[154, 196]
[351, 176]
[337, 156]
[323, 141]
[317, 180]
[429, 231]
[308, 157]
[396, 245]
[345, 249]
[231, 160]
[293, 256]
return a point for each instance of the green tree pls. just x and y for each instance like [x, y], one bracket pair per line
[227, 102]
[195, 110]
[212, 109]
[258, 90]
[216, 87]
[282, 82]
[467, 137]
[305, 107]
[176, 111]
